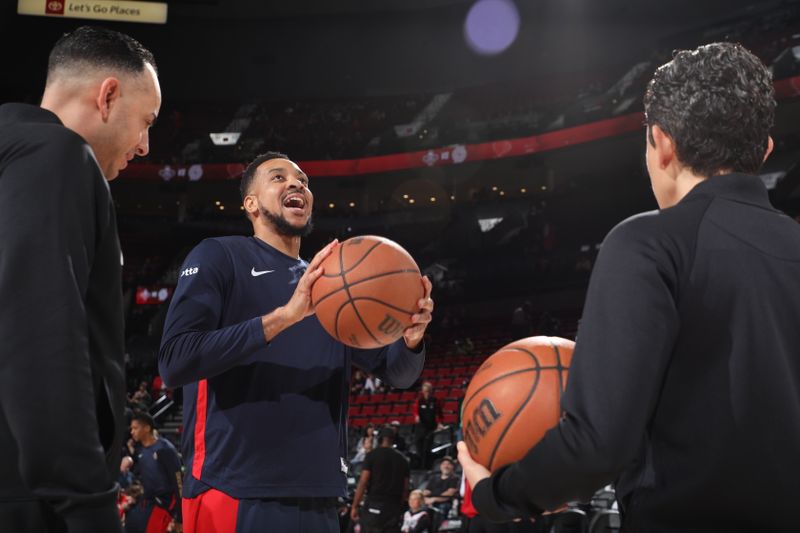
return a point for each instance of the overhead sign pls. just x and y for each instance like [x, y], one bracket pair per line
[122, 11]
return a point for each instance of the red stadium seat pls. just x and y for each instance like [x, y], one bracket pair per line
[393, 397]
[379, 420]
[457, 392]
[384, 409]
[400, 409]
[361, 398]
[444, 382]
[354, 410]
[450, 407]
[358, 422]
[377, 398]
[408, 396]
[440, 393]
[406, 420]
[368, 410]
[450, 418]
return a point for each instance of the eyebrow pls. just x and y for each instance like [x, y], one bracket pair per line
[281, 169]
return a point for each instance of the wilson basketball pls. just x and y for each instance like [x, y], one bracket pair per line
[514, 398]
[368, 291]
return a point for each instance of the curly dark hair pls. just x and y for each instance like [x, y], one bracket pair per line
[717, 103]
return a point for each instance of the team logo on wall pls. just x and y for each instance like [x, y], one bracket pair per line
[54, 7]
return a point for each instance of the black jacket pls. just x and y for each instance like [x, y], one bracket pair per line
[685, 381]
[62, 387]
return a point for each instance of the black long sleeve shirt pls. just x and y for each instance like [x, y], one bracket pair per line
[685, 381]
[62, 388]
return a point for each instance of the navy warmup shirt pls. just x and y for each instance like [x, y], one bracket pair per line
[156, 466]
[261, 419]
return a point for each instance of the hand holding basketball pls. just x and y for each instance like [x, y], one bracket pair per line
[299, 305]
[413, 335]
[473, 471]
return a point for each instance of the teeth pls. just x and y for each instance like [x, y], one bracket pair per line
[294, 201]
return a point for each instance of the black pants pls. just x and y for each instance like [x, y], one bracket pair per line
[423, 437]
[381, 517]
[30, 517]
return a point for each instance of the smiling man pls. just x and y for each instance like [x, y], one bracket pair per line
[62, 387]
[265, 387]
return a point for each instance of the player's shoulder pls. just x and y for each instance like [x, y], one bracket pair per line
[675, 223]
[166, 445]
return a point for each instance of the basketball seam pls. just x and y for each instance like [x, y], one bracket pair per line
[342, 271]
[494, 380]
[370, 278]
[521, 407]
[346, 287]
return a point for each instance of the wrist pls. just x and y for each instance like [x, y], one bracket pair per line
[275, 322]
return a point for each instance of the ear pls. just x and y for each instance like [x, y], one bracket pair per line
[107, 96]
[770, 146]
[250, 205]
[664, 147]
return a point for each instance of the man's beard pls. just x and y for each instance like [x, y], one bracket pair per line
[283, 227]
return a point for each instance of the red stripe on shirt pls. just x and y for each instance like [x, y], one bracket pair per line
[200, 429]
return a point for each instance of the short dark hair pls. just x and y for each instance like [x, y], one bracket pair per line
[250, 171]
[99, 47]
[717, 104]
[144, 418]
[386, 433]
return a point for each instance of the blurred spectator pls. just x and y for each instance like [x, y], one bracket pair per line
[357, 381]
[417, 519]
[372, 385]
[441, 487]
[521, 321]
[365, 445]
[427, 419]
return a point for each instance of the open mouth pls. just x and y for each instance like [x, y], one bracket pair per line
[294, 201]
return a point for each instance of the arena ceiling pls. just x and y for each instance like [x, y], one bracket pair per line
[232, 49]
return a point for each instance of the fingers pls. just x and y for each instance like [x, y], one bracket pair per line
[322, 255]
[426, 302]
[313, 271]
[474, 471]
[463, 454]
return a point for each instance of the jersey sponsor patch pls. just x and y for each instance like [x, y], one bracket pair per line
[191, 271]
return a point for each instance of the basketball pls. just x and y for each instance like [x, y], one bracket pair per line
[369, 289]
[514, 398]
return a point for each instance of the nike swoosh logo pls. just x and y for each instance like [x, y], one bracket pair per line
[256, 273]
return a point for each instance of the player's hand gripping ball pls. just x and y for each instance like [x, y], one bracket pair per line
[369, 289]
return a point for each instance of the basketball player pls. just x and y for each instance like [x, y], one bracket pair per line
[62, 388]
[684, 384]
[158, 467]
[265, 387]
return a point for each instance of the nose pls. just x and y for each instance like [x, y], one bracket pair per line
[297, 184]
[143, 146]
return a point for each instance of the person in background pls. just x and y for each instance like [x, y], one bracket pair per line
[384, 480]
[158, 468]
[427, 419]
